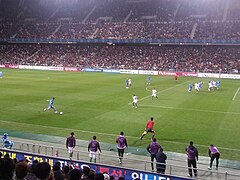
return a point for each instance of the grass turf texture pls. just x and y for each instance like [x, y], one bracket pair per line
[99, 104]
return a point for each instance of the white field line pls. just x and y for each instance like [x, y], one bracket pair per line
[106, 134]
[148, 89]
[29, 78]
[189, 109]
[235, 94]
[161, 91]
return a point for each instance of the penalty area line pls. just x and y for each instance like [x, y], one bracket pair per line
[235, 94]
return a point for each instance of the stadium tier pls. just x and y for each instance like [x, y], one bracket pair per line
[208, 59]
[126, 19]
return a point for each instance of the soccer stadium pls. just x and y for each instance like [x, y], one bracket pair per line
[120, 89]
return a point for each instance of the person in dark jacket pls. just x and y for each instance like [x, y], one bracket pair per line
[161, 158]
[192, 157]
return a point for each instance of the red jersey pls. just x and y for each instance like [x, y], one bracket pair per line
[150, 124]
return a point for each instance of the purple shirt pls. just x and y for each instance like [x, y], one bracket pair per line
[192, 153]
[213, 150]
[71, 142]
[121, 142]
[94, 146]
[153, 148]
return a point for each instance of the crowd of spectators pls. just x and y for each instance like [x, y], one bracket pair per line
[126, 19]
[218, 30]
[13, 169]
[120, 19]
[119, 30]
[162, 58]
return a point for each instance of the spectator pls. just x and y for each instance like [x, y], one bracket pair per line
[58, 175]
[75, 174]
[66, 170]
[99, 176]
[86, 171]
[21, 170]
[213, 153]
[32, 171]
[106, 176]
[43, 171]
[91, 175]
[161, 161]
[192, 157]
[6, 168]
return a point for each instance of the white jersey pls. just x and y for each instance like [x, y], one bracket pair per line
[129, 82]
[135, 99]
[196, 86]
[154, 92]
[210, 84]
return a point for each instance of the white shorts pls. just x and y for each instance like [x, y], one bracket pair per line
[135, 101]
[154, 95]
[70, 149]
[93, 154]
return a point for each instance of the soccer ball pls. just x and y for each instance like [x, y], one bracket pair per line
[61, 113]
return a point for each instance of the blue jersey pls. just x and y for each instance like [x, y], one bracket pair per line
[217, 83]
[148, 78]
[51, 101]
[190, 87]
[127, 82]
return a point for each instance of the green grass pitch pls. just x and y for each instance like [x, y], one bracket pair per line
[99, 104]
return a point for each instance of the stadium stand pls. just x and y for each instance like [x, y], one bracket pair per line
[166, 58]
[42, 20]
[129, 20]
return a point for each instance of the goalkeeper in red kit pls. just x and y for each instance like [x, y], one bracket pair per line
[149, 128]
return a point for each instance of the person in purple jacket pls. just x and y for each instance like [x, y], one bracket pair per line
[192, 157]
[93, 147]
[153, 149]
[121, 145]
[213, 153]
[70, 144]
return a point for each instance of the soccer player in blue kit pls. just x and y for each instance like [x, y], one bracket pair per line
[127, 83]
[50, 106]
[148, 80]
[190, 87]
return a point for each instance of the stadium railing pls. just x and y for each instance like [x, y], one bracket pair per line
[107, 158]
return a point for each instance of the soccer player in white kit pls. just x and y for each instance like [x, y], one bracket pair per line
[154, 93]
[135, 101]
[130, 82]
